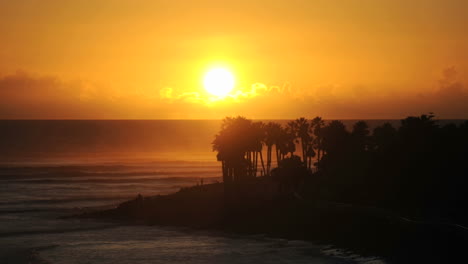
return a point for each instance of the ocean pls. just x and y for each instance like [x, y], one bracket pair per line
[50, 169]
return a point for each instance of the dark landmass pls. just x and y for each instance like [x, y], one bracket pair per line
[399, 193]
[367, 231]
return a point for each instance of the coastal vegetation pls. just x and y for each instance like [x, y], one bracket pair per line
[417, 169]
[396, 192]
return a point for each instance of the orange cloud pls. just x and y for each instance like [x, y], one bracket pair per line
[23, 95]
[238, 95]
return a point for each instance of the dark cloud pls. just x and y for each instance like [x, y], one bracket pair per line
[25, 96]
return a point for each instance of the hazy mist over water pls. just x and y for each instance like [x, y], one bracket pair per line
[95, 141]
[76, 141]
[53, 168]
[110, 112]
[168, 140]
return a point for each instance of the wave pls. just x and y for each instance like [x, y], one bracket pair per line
[10, 168]
[127, 191]
[73, 174]
[112, 180]
[68, 200]
[56, 231]
[33, 210]
[60, 210]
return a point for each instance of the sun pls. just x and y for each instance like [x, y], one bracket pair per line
[218, 82]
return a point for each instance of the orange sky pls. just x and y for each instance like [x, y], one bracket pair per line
[122, 59]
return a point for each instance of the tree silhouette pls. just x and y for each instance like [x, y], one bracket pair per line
[289, 142]
[239, 146]
[383, 137]
[258, 137]
[272, 136]
[232, 144]
[316, 126]
[418, 169]
[334, 137]
[301, 128]
[360, 136]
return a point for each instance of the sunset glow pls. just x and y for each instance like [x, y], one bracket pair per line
[342, 123]
[148, 59]
[219, 82]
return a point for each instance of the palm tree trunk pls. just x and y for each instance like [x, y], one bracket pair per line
[278, 158]
[304, 152]
[223, 165]
[256, 164]
[252, 173]
[249, 167]
[269, 159]
[263, 165]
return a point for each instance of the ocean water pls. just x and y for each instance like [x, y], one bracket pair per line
[50, 169]
[32, 198]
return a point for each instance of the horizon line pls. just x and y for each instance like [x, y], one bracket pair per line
[200, 119]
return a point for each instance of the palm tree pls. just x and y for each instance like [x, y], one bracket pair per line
[360, 135]
[301, 127]
[257, 139]
[310, 154]
[233, 144]
[383, 136]
[290, 138]
[316, 125]
[272, 135]
[285, 143]
[335, 137]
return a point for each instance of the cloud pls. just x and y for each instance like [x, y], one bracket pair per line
[169, 95]
[22, 87]
[166, 93]
[448, 100]
[452, 96]
[237, 95]
[24, 95]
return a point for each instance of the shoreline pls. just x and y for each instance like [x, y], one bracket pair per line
[365, 232]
